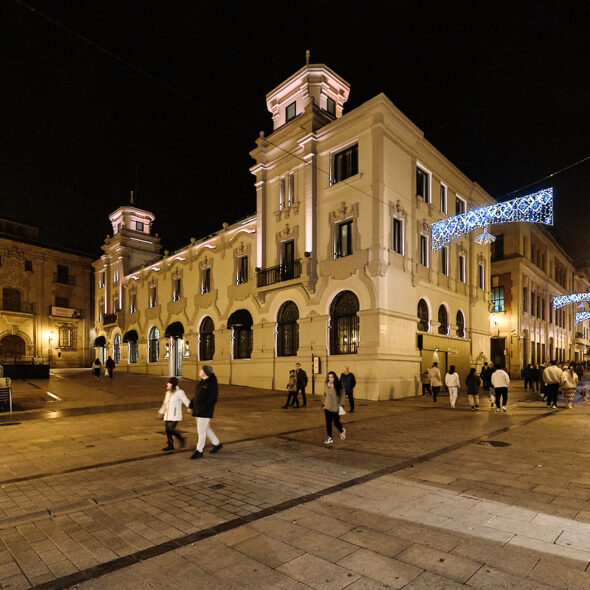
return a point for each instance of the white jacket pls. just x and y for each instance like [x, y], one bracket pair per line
[500, 378]
[452, 380]
[569, 381]
[552, 374]
[172, 406]
[434, 374]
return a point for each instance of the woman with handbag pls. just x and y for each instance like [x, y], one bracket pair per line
[569, 383]
[333, 400]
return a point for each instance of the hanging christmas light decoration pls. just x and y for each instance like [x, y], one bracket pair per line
[563, 300]
[534, 208]
[484, 237]
[582, 315]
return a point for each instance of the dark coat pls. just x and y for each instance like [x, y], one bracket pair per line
[203, 404]
[348, 382]
[110, 364]
[301, 378]
[473, 382]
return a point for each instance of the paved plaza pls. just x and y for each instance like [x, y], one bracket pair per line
[418, 496]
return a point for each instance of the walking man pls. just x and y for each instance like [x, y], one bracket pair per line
[552, 376]
[527, 375]
[301, 383]
[500, 382]
[435, 380]
[348, 382]
[202, 406]
[453, 382]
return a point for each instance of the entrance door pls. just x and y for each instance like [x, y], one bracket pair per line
[12, 346]
[288, 259]
[498, 345]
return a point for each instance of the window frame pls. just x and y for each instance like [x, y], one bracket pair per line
[206, 280]
[462, 274]
[290, 116]
[444, 261]
[65, 337]
[459, 200]
[344, 328]
[242, 270]
[497, 301]
[424, 251]
[349, 156]
[428, 184]
[287, 329]
[423, 321]
[139, 226]
[482, 276]
[398, 237]
[443, 327]
[444, 193]
[339, 251]
[330, 102]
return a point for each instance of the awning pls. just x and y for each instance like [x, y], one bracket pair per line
[174, 330]
[130, 336]
[100, 341]
[240, 319]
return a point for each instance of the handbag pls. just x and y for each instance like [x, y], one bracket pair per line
[341, 411]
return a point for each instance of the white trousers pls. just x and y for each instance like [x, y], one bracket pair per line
[453, 395]
[204, 431]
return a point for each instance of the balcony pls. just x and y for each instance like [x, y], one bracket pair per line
[63, 279]
[278, 274]
[109, 318]
[17, 306]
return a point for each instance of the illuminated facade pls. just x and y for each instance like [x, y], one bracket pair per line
[336, 263]
[45, 293]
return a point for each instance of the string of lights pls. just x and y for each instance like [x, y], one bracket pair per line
[563, 300]
[582, 315]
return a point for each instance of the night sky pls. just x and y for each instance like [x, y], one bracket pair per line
[501, 89]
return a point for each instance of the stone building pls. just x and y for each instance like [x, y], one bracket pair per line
[529, 268]
[45, 309]
[335, 267]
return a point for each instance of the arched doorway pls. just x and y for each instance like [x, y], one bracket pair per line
[12, 346]
[287, 329]
[344, 324]
[240, 322]
[175, 332]
[100, 344]
[206, 340]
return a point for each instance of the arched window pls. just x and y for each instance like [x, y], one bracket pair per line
[206, 340]
[344, 324]
[240, 322]
[460, 324]
[423, 316]
[154, 345]
[443, 320]
[10, 299]
[117, 348]
[287, 329]
[12, 346]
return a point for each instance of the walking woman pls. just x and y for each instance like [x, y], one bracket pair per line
[292, 390]
[473, 382]
[172, 412]
[96, 368]
[453, 382]
[333, 399]
[202, 407]
[569, 382]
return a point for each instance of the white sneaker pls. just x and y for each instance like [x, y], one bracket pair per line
[328, 441]
[504, 409]
[554, 407]
[343, 434]
[497, 409]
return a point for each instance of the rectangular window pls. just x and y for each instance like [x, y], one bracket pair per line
[543, 308]
[398, 236]
[62, 301]
[443, 198]
[291, 111]
[206, 281]
[291, 189]
[532, 303]
[497, 248]
[462, 271]
[28, 265]
[63, 274]
[482, 277]
[116, 303]
[497, 299]
[460, 205]
[423, 184]
[281, 192]
[101, 279]
[176, 285]
[444, 260]
[65, 337]
[153, 296]
[242, 270]
[343, 240]
[424, 250]
[139, 225]
[331, 106]
[525, 299]
[345, 164]
[132, 302]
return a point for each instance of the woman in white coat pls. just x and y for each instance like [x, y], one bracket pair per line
[453, 383]
[172, 412]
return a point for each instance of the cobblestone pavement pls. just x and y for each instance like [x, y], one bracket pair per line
[418, 496]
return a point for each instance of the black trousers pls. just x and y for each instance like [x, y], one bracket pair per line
[292, 398]
[332, 417]
[425, 389]
[552, 391]
[435, 391]
[350, 400]
[171, 431]
[501, 392]
[302, 390]
[528, 382]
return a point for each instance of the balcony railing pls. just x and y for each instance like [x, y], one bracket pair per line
[109, 318]
[63, 280]
[278, 274]
[17, 306]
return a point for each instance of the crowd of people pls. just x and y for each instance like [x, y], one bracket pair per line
[494, 381]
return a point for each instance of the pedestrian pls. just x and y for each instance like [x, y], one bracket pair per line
[527, 375]
[301, 382]
[96, 368]
[534, 377]
[473, 382]
[202, 407]
[500, 382]
[435, 380]
[453, 383]
[348, 382]
[542, 388]
[110, 367]
[579, 369]
[333, 399]
[425, 380]
[171, 412]
[569, 382]
[552, 377]
[486, 379]
[292, 390]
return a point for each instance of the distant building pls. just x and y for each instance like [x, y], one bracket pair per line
[45, 294]
[336, 264]
[529, 268]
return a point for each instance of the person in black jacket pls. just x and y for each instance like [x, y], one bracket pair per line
[202, 407]
[301, 383]
[348, 382]
[110, 367]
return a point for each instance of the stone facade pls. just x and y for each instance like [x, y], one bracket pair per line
[334, 264]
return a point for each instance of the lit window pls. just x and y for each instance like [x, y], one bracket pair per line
[154, 345]
[345, 164]
[343, 246]
[460, 324]
[398, 236]
[497, 299]
[344, 324]
[65, 337]
[443, 320]
[423, 184]
[424, 250]
[291, 111]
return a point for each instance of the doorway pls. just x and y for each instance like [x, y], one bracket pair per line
[12, 346]
[497, 348]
